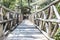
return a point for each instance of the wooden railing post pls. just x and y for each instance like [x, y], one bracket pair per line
[1, 19]
[54, 30]
[33, 18]
[8, 17]
[49, 29]
[17, 18]
[21, 17]
[30, 18]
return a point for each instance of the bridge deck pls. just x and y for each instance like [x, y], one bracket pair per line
[26, 31]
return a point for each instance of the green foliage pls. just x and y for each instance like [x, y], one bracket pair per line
[9, 3]
[26, 10]
[57, 35]
[58, 7]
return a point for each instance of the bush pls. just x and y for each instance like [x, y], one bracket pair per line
[57, 35]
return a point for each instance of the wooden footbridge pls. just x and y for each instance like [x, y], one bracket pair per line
[40, 25]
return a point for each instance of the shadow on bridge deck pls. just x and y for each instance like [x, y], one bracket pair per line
[26, 31]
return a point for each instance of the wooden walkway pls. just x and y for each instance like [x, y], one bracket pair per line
[26, 31]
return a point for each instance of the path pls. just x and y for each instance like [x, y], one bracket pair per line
[26, 31]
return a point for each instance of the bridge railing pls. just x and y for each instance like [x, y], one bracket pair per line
[9, 20]
[47, 19]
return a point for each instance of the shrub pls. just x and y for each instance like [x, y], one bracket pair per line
[57, 35]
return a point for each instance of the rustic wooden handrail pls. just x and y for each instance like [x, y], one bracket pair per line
[5, 21]
[32, 4]
[9, 20]
[54, 2]
[8, 9]
[47, 23]
[49, 20]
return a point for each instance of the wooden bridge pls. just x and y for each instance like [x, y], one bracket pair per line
[41, 24]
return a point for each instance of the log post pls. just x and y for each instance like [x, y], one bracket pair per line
[1, 19]
[54, 30]
[49, 29]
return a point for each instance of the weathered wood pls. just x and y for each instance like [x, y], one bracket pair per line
[45, 33]
[26, 31]
[42, 27]
[54, 2]
[50, 23]
[36, 22]
[10, 21]
[32, 18]
[49, 29]
[56, 12]
[5, 27]
[46, 20]
[44, 15]
[51, 12]
[5, 21]
[8, 9]
[41, 2]
[49, 20]
[1, 30]
[55, 29]
[11, 24]
[19, 18]
[1, 25]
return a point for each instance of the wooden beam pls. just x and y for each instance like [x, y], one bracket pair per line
[8, 9]
[54, 30]
[40, 1]
[54, 2]
[5, 21]
[56, 12]
[49, 20]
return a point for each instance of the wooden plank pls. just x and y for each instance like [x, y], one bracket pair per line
[26, 31]
[49, 20]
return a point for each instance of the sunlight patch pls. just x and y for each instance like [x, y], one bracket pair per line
[10, 35]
